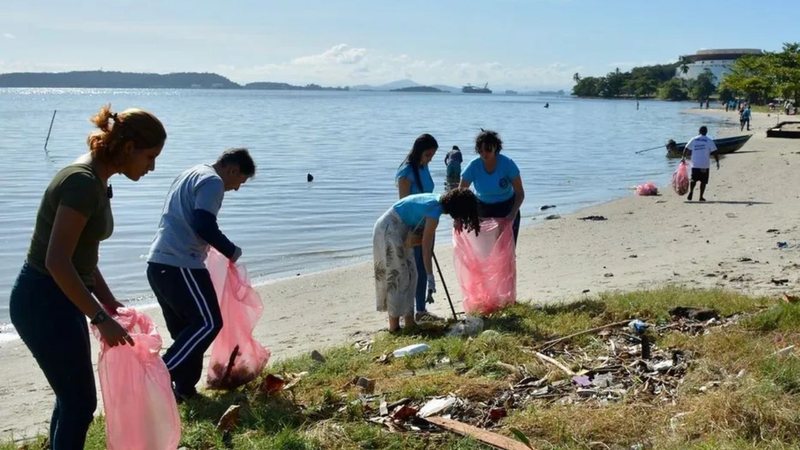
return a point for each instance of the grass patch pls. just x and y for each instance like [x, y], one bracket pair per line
[737, 392]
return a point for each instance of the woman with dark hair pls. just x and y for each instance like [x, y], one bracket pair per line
[410, 222]
[60, 284]
[497, 181]
[414, 177]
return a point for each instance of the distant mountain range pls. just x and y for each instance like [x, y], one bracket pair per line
[196, 80]
[402, 84]
[123, 80]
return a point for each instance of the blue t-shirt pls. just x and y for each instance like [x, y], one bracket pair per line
[176, 243]
[406, 171]
[492, 187]
[413, 209]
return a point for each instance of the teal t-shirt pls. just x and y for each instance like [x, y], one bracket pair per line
[406, 171]
[414, 209]
[492, 187]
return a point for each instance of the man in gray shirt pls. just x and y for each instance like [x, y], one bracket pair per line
[176, 269]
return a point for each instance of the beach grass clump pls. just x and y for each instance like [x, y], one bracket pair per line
[740, 387]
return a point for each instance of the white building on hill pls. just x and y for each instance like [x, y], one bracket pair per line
[718, 61]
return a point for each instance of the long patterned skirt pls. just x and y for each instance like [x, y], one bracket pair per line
[395, 269]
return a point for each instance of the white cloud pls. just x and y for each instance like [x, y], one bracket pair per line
[346, 65]
[9, 36]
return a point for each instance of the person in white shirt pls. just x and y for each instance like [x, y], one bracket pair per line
[702, 148]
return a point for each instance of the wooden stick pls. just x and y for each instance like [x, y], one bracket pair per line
[49, 130]
[487, 437]
[553, 342]
[552, 361]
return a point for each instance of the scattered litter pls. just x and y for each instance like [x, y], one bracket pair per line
[582, 381]
[317, 356]
[773, 230]
[546, 207]
[701, 314]
[552, 217]
[229, 419]
[410, 350]
[487, 437]
[436, 406]
[783, 244]
[471, 326]
[593, 218]
[647, 189]
[779, 282]
[367, 385]
[608, 274]
[784, 351]
[272, 384]
[603, 380]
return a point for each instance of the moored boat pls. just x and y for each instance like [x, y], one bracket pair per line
[724, 146]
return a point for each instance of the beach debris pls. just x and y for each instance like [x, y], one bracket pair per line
[647, 189]
[272, 384]
[229, 419]
[317, 356]
[487, 437]
[783, 244]
[700, 314]
[593, 218]
[552, 361]
[546, 207]
[366, 385]
[784, 351]
[471, 326]
[789, 298]
[552, 217]
[410, 350]
[779, 281]
[436, 406]
[309, 178]
[773, 230]
[608, 274]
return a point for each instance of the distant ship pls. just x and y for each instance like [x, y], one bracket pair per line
[470, 89]
[511, 92]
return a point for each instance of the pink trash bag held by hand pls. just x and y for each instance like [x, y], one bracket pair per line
[486, 266]
[680, 179]
[140, 408]
[236, 357]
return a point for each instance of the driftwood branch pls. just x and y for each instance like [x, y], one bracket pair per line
[553, 342]
[487, 437]
[552, 361]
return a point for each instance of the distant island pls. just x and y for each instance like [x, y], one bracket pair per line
[129, 80]
[419, 89]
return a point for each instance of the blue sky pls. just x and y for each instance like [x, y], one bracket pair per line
[507, 43]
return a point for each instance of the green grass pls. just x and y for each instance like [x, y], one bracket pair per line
[755, 404]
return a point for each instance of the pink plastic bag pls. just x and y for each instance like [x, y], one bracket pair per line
[486, 266]
[140, 407]
[680, 179]
[236, 357]
[648, 188]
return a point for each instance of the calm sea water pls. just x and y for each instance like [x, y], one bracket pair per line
[575, 153]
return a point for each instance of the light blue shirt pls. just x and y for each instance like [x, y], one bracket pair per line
[414, 209]
[492, 187]
[406, 171]
[176, 243]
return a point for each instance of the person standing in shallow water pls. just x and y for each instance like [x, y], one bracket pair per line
[414, 177]
[452, 162]
[60, 284]
[498, 184]
[702, 148]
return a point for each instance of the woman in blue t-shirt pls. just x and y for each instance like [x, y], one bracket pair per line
[498, 184]
[413, 177]
[412, 221]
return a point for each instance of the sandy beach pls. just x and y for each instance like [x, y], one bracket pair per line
[730, 242]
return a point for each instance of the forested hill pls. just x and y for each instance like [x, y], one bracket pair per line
[103, 79]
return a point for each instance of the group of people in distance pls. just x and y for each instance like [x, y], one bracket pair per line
[403, 236]
[60, 284]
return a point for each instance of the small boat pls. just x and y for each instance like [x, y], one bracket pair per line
[724, 146]
[470, 89]
[789, 129]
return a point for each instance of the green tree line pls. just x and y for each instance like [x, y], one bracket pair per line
[757, 78]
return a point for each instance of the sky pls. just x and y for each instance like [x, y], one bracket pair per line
[516, 44]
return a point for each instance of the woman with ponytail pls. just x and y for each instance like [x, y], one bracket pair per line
[60, 284]
[414, 177]
[408, 223]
